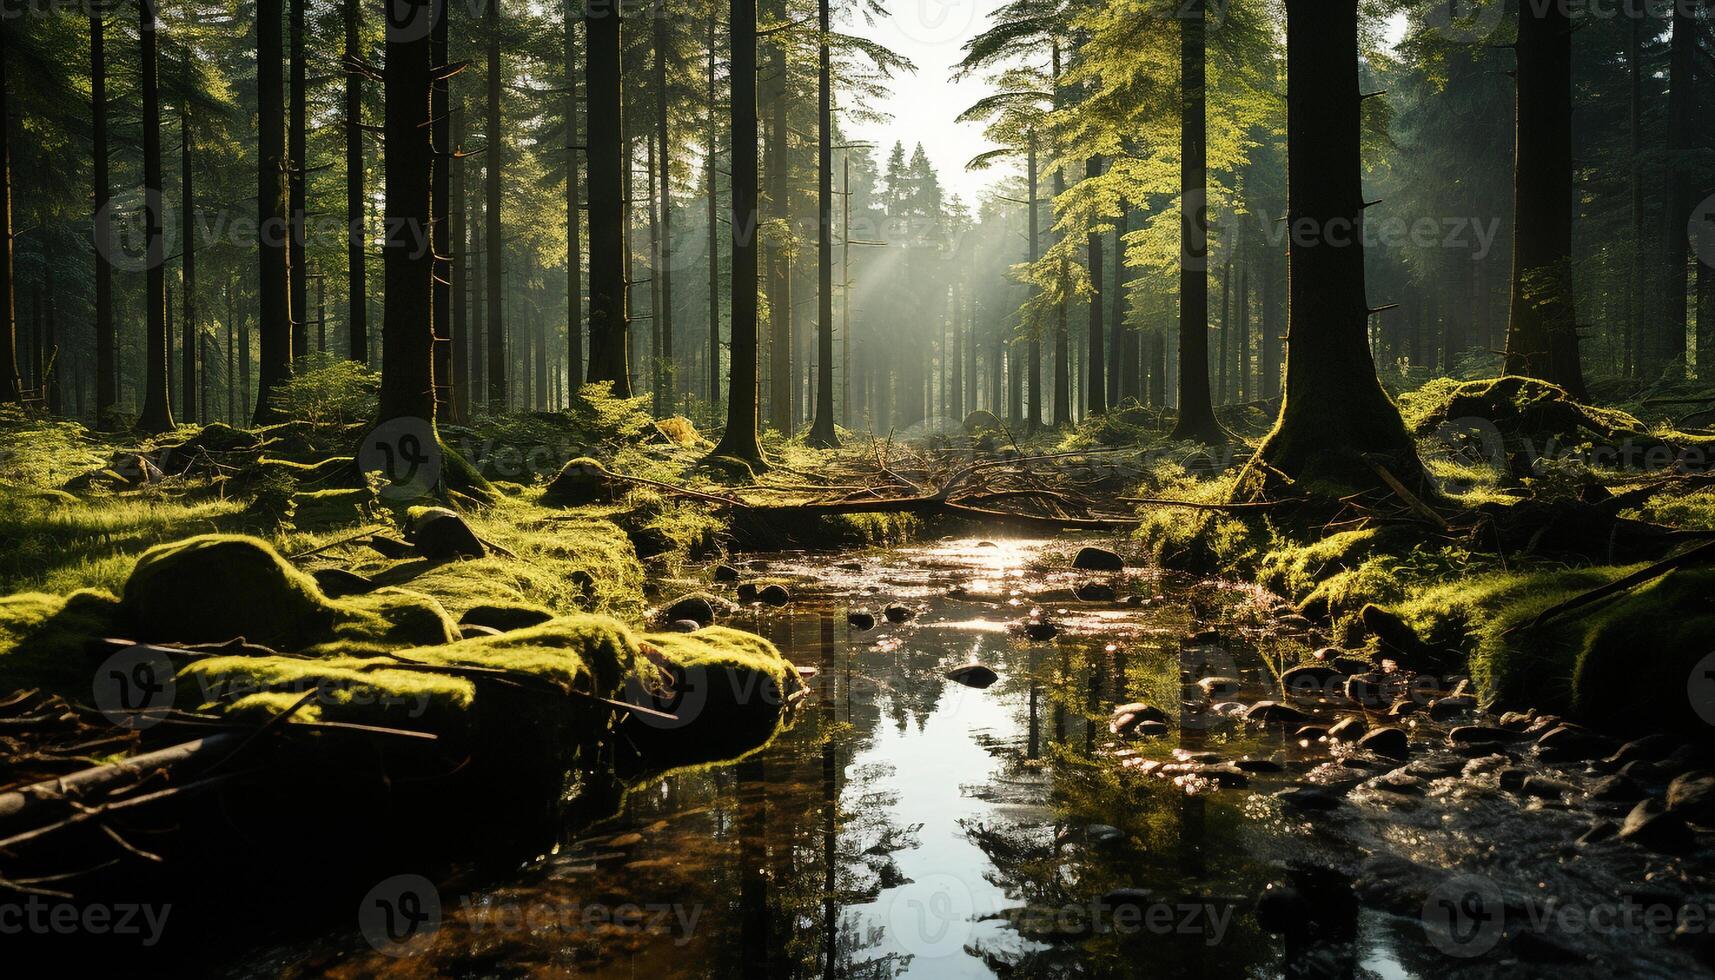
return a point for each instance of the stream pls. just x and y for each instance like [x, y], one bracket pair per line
[907, 825]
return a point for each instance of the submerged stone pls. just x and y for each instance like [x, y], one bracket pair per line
[860, 619]
[1098, 560]
[774, 595]
[973, 675]
[898, 612]
[1095, 592]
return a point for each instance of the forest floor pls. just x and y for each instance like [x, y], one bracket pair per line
[279, 594]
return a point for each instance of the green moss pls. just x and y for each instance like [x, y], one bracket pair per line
[730, 693]
[390, 617]
[332, 508]
[1293, 570]
[216, 587]
[43, 639]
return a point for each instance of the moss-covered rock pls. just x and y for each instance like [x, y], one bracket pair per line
[727, 689]
[580, 482]
[506, 616]
[216, 587]
[43, 639]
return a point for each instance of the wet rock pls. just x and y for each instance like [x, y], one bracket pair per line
[1645, 771]
[1573, 742]
[1151, 729]
[1348, 729]
[1399, 782]
[987, 544]
[1652, 827]
[1388, 741]
[774, 595]
[1482, 735]
[1398, 638]
[1396, 885]
[1258, 765]
[1601, 830]
[1275, 713]
[957, 592]
[1127, 717]
[1311, 733]
[850, 566]
[684, 626]
[1616, 789]
[1512, 778]
[1229, 709]
[1436, 768]
[389, 547]
[1281, 910]
[1040, 629]
[442, 534]
[973, 675]
[726, 573]
[1443, 709]
[1341, 661]
[1134, 600]
[1691, 795]
[861, 620]
[1484, 765]
[1311, 680]
[1650, 748]
[1225, 774]
[1220, 687]
[1372, 690]
[1095, 592]
[1534, 946]
[1203, 638]
[1516, 721]
[471, 631]
[749, 591]
[899, 612]
[695, 607]
[1098, 560]
[338, 582]
[1544, 787]
[1101, 833]
[1402, 709]
[1308, 797]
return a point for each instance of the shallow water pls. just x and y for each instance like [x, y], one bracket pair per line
[908, 826]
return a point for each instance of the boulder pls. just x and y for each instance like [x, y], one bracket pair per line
[725, 573]
[899, 612]
[1651, 826]
[1691, 795]
[1348, 729]
[973, 675]
[1386, 741]
[1095, 592]
[1276, 713]
[338, 582]
[861, 620]
[441, 534]
[1127, 717]
[774, 595]
[1098, 560]
[694, 606]
[581, 481]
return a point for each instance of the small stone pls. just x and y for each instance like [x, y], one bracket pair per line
[1544, 787]
[1512, 778]
[1481, 735]
[1040, 629]
[1651, 826]
[1398, 782]
[1348, 729]
[1258, 765]
[1095, 592]
[1691, 795]
[1599, 831]
[1516, 721]
[726, 573]
[389, 547]
[1275, 713]
[1127, 717]
[1098, 560]
[1442, 709]
[442, 534]
[1652, 748]
[1372, 690]
[987, 544]
[973, 675]
[749, 591]
[899, 612]
[774, 595]
[684, 626]
[1616, 789]
[1388, 741]
[1220, 687]
[1570, 742]
[1281, 910]
[696, 608]
[1311, 733]
[861, 620]
[1402, 709]
[338, 582]
[1312, 680]
[850, 566]
[1308, 798]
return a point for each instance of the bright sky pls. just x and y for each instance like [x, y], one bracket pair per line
[932, 33]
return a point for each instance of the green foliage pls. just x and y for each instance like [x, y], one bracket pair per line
[329, 393]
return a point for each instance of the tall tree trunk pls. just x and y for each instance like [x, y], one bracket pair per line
[459, 232]
[273, 293]
[1637, 321]
[495, 266]
[1196, 410]
[157, 414]
[1034, 369]
[357, 291]
[1096, 386]
[106, 361]
[663, 285]
[1542, 339]
[1242, 338]
[822, 433]
[1681, 139]
[1335, 419]
[713, 218]
[440, 206]
[574, 219]
[408, 268]
[740, 440]
[607, 209]
[297, 155]
[655, 366]
[1122, 354]
[779, 267]
[187, 214]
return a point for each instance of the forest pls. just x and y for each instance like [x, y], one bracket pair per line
[858, 488]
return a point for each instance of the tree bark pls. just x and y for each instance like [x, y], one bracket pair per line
[297, 164]
[1196, 410]
[495, 266]
[408, 266]
[713, 217]
[1096, 385]
[779, 268]
[739, 439]
[663, 285]
[1032, 421]
[574, 219]
[190, 353]
[606, 160]
[157, 414]
[106, 364]
[440, 206]
[1335, 420]
[273, 293]
[822, 432]
[357, 285]
[1542, 339]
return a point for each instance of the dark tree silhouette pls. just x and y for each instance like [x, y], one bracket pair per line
[495, 267]
[297, 152]
[273, 292]
[357, 296]
[739, 440]
[408, 264]
[822, 433]
[106, 364]
[189, 353]
[1196, 408]
[574, 257]
[1096, 387]
[608, 359]
[157, 413]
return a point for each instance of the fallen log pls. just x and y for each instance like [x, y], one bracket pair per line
[103, 779]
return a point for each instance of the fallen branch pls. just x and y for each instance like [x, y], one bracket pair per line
[1698, 554]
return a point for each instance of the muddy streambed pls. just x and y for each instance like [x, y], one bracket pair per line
[909, 825]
